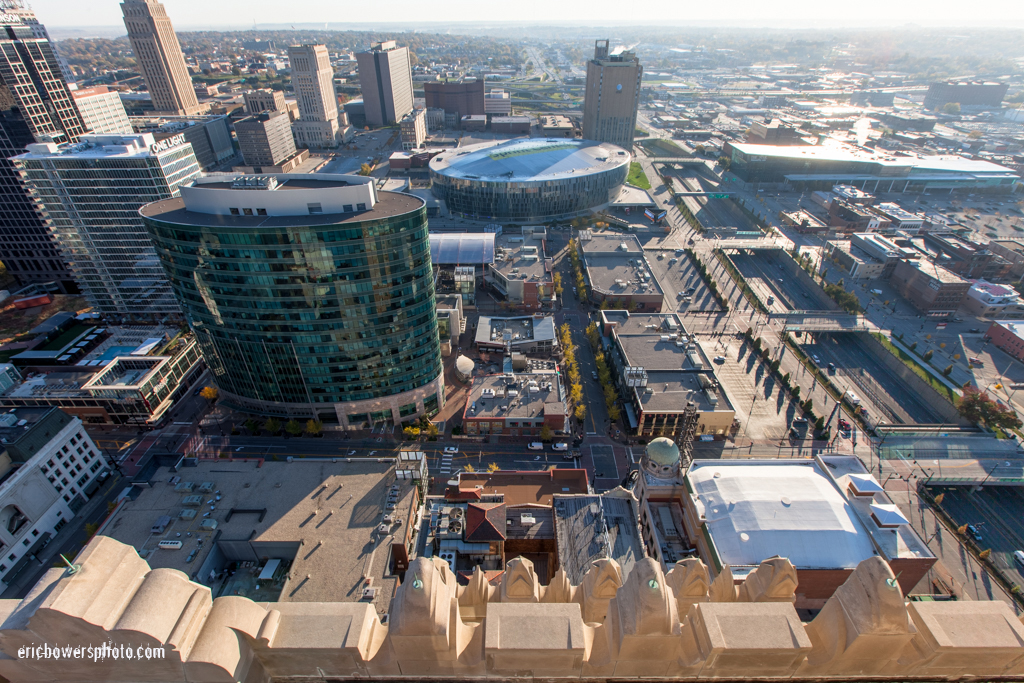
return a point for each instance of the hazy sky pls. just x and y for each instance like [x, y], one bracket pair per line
[776, 13]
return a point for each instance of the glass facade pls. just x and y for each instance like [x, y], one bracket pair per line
[92, 202]
[314, 310]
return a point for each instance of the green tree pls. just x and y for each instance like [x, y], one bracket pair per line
[272, 425]
[252, 426]
[951, 108]
[546, 434]
[796, 393]
[314, 427]
[928, 354]
[293, 427]
[365, 169]
[948, 369]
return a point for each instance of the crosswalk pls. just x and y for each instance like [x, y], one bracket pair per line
[446, 464]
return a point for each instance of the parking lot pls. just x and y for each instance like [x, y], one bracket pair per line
[677, 278]
[884, 395]
[997, 513]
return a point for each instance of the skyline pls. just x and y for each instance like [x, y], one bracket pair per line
[871, 14]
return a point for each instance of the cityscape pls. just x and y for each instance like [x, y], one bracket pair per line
[500, 350]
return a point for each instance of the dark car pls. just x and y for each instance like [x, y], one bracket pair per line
[973, 531]
[974, 330]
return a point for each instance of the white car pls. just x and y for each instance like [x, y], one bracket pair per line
[451, 450]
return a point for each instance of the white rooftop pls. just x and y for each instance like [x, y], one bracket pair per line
[755, 510]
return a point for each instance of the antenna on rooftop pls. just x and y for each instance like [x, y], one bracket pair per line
[72, 568]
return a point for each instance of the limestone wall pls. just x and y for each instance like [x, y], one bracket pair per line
[649, 626]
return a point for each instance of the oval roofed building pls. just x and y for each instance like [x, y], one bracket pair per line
[527, 180]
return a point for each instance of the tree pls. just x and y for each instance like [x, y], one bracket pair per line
[209, 393]
[725, 162]
[947, 370]
[252, 426]
[314, 427]
[975, 135]
[593, 335]
[431, 431]
[546, 434]
[928, 355]
[556, 283]
[984, 554]
[580, 412]
[951, 108]
[411, 433]
[576, 393]
[468, 468]
[493, 467]
[939, 498]
[796, 393]
[293, 427]
[365, 169]
[272, 425]
[614, 413]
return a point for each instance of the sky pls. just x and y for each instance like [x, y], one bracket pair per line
[198, 14]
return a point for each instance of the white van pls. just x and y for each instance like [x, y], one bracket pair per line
[559, 447]
[535, 446]
[169, 545]
[852, 398]
[1018, 557]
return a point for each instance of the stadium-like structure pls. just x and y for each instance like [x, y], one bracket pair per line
[527, 180]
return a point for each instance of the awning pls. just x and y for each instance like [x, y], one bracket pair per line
[631, 416]
[268, 570]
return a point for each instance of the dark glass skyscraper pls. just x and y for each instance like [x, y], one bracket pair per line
[35, 105]
[310, 295]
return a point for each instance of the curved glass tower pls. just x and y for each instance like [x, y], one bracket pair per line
[310, 295]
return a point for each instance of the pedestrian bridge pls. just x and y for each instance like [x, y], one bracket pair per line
[823, 321]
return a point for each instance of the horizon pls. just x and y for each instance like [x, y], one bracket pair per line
[659, 15]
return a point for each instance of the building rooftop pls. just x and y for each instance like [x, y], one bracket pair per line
[616, 265]
[95, 146]
[530, 159]
[937, 272]
[522, 488]
[757, 509]
[659, 349]
[320, 515]
[24, 431]
[389, 205]
[897, 212]
[496, 396]
[589, 528]
[522, 257]
[834, 150]
[526, 328]
[671, 390]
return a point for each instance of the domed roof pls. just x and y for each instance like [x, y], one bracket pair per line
[464, 365]
[663, 452]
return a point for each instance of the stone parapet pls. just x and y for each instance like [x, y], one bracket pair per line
[646, 626]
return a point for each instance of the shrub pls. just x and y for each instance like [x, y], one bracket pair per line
[785, 379]
[766, 353]
[927, 354]
[796, 393]
[819, 424]
[775, 365]
[949, 369]
[913, 346]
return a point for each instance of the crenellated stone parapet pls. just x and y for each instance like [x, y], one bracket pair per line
[646, 626]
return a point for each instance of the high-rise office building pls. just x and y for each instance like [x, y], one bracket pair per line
[313, 80]
[266, 138]
[309, 294]
[385, 77]
[159, 56]
[264, 100]
[35, 105]
[102, 111]
[612, 96]
[413, 127]
[91, 193]
[462, 98]
[209, 135]
[28, 17]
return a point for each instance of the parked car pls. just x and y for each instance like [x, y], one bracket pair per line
[451, 450]
[816, 359]
[559, 446]
[1018, 557]
[832, 367]
[719, 359]
[800, 421]
[535, 446]
[593, 374]
[973, 531]
[974, 330]
[794, 433]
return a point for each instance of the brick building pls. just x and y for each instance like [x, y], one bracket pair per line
[931, 289]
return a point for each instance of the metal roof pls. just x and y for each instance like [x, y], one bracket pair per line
[530, 159]
[462, 248]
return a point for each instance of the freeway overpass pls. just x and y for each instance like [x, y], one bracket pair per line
[823, 321]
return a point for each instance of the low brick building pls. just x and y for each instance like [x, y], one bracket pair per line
[931, 289]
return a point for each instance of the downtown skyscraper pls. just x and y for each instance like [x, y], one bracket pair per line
[313, 80]
[612, 96]
[385, 77]
[159, 56]
[35, 106]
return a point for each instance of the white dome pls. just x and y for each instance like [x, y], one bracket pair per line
[465, 366]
